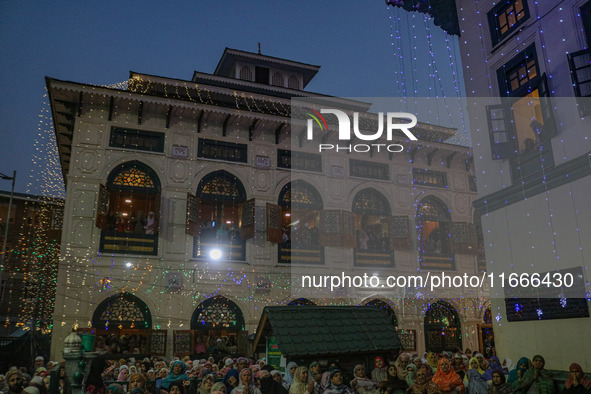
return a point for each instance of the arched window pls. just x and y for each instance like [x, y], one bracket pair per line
[246, 73]
[442, 328]
[122, 311]
[277, 79]
[293, 82]
[386, 308]
[371, 210]
[218, 313]
[433, 220]
[220, 196]
[300, 206]
[301, 302]
[132, 200]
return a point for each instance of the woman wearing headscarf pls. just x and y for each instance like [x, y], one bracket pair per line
[123, 373]
[493, 364]
[380, 372]
[517, 373]
[246, 385]
[177, 387]
[115, 388]
[268, 385]
[412, 373]
[206, 384]
[394, 384]
[361, 384]
[219, 387]
[94, 383]
[432, 361]
[577, 382]
[300, 383]
[177, 372]
[289, 374]
[474, 364]
[336, 385]
[423, 383]
[537, 380]
[499, 384]
[476, 385]
[446, 378]
[231, 380]
[401, 363]
[458, 365]
[508, 365]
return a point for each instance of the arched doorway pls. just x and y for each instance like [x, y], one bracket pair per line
[122, 322]
[442, 328]
[377, 303]
[220, 196]
[300, 206]
[219, 318]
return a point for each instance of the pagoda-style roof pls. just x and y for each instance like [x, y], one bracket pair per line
[303, 331]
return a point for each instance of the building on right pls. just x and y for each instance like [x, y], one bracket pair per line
[527, 70]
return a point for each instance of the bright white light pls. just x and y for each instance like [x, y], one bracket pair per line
[287, 215]
[128, 265]
[128, 201]
[124, 214]
[215, 254]
[228, 222]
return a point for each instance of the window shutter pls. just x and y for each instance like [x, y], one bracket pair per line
[247, 219]
[548, 129]
[331, 228]
[473, 247]
[183, 342]
[579, 69]
[102, 208]
[274, 230]
[459, 237]
[158, 342]
[500, 131]
[349, 239]
[192, 227]
[399, 230]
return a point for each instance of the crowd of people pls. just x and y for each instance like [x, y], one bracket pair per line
[432, 373]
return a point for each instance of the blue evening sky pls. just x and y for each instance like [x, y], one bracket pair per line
[364, 48]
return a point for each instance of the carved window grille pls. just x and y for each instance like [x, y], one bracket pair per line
[370, 201]
[277, 79]
[133, 177]
[218, 313]
[122, 311]
[442, 327]
[246, 73]
[301, 302]
[293, 82]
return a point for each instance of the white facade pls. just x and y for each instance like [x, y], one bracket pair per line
[536, 221]
[222, 108]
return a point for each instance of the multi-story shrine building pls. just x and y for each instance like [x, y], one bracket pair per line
[190, 203]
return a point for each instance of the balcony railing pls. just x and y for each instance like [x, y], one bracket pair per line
[128, 243]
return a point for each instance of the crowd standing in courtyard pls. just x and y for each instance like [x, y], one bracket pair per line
[432, 373]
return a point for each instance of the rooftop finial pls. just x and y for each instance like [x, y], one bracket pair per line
[259, 48]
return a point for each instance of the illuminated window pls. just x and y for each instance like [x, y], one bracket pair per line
[218, 313]
[434, 234]
[523, 124]
[220, 196]
[131, 206]
[122, 311]
[506, 17]
[300, 206]
[442, 328]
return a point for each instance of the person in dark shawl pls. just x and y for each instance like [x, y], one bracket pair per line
[537, 380]
[516, 374]
[494, 364]
[336, 385]
[231, 380]
[499, 384]
[423, 383]
[268, 385]
[476, 385]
